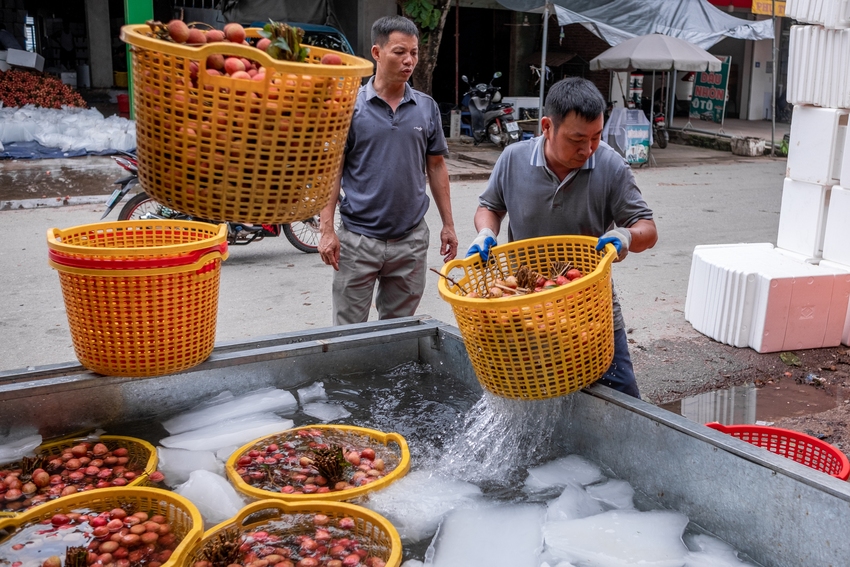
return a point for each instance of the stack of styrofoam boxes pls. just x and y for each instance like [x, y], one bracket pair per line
[795, 295]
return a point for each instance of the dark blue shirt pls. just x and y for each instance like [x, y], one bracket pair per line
[383, 174]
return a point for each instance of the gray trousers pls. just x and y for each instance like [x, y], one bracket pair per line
[398, 266]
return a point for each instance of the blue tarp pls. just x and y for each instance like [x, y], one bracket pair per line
[34, 150]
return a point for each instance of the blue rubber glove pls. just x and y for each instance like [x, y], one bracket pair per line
[485, 240]
[620, 237]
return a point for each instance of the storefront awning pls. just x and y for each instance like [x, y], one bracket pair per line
[615, 21]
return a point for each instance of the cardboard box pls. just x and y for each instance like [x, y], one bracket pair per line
[19, 58]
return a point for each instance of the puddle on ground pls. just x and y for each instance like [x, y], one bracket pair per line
[749, 404]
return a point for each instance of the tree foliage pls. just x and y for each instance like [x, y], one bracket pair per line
[429, 17]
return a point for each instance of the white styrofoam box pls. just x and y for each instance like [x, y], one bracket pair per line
[845, 332]
[777, 302]
[4, 66]
[844, 176]
[20, 58]
[816, 144]
[69, 78]
[836, 238]
[2, 54]
[819, 67]
[802, 217]
[719, 298]
[828, 13]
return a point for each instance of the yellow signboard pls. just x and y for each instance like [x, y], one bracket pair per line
[764, 7]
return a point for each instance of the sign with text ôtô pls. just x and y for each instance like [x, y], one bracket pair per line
[769, 8]
[710, 93]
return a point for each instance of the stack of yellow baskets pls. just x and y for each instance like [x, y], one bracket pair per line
[539, 345]
[141, 296]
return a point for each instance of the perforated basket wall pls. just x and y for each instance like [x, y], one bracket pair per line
[540, 345]
[145, 321]
[374, 532]
[239, 150]
[184, 519]
[799, 447]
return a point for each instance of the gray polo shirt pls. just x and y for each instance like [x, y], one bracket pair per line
[383, 175]
[592, 200]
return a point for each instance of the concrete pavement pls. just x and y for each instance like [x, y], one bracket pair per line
[270, 287]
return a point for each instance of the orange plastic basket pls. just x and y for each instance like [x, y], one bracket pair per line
[183, 517]
[150, 318]
[240, 150]
[540, 345]
[804, 449]
[375, 533]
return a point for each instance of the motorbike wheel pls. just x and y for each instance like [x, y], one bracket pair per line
[662, 137]
[142, 204]
[496, 135]
[304, 235]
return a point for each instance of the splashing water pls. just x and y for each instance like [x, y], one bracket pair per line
[501, 438]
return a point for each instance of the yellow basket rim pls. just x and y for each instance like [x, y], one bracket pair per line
[136, 35]
[382, 437]
[54, 234]
[80, 499]
[70, 441]
[586, 280]
[203, 261]
[308, 507]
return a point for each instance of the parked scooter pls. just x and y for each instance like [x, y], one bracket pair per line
[303, 235]
[490, 118]
[658, 119]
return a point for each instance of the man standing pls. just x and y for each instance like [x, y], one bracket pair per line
[396, 137]
[567, 181]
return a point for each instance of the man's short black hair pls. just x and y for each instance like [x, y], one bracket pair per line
[573, 94]
[383, 27]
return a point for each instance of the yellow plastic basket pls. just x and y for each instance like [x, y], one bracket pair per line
[141, 454]
[374, 532]
[145, 302]
[185, 520]
[373, 436]
[540, 345]
[240, 150]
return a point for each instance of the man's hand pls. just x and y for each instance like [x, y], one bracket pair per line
[329, 249]
[448, 243]
[620, 237]
[485, 240]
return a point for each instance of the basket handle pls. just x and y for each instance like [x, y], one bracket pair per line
[259, 506]
[167, 262]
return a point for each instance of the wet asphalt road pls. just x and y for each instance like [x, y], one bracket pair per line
[270, 287]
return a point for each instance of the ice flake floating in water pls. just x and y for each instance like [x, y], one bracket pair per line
[573, 503]
[416, 503]
[214, 497]
[620, 538]
[711, 553]
[491, 536]
[499, 436]
[315, 392]
[614, 493]
[562, 472]
[325, 412]
[236, 431]
[178, 464]
[19, 443]
[226, 406]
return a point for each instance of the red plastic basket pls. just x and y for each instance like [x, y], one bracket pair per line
[799, 447]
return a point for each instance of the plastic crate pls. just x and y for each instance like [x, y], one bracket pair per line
[141, 297]
[539, 345]
[240, 150]
[804, 449]
[185, 520]
[142, 455]
[376, 437]
[374, 532]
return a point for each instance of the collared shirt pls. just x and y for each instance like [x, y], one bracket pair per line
[590, 201]
[383, 175]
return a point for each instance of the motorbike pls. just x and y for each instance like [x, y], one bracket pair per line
[490, 118]
[658, 119]
[303, 235]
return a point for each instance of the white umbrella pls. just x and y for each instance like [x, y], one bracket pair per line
[656, 52]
